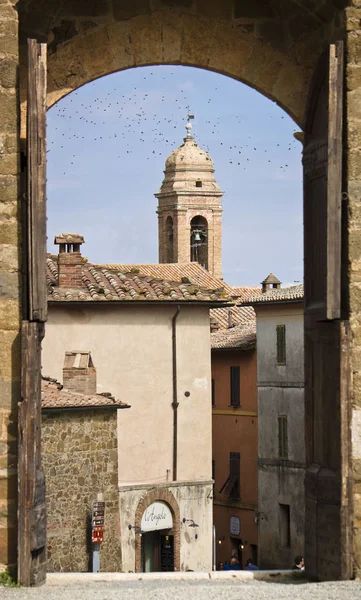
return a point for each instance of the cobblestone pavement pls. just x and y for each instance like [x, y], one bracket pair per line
[185, 590]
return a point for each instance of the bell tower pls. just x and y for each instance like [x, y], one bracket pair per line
[190, 209]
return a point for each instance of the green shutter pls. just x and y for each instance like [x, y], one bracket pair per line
[281, 344]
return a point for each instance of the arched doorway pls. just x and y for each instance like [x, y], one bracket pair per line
[264, 47]
[157, 540]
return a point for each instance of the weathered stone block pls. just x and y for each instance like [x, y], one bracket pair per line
[146, 36]
[8, 71]
[197, 40]
[9, 114]
[122, 45]
[9, 36]
[9, 355]
[93, 62]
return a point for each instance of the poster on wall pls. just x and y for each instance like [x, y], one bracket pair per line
[235, 526]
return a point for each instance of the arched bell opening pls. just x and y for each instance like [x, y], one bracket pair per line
[199, 241]
[169, 230]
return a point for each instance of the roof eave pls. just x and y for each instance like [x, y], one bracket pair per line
[206, 303]
[272, 302]
[80, 408]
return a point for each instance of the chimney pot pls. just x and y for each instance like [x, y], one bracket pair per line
[79, 373]
[69, 259]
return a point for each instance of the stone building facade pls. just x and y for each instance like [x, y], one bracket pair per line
[271, 45]
[281, 417]
[80, 461]
[190, 209]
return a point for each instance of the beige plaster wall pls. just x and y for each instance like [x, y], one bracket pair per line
[131, 350]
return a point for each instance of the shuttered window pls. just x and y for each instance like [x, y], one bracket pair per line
[281, 344]
[213, 469]
[235, 386]
[285, 525]
[234, 483]
[213, 392]
[282, 437]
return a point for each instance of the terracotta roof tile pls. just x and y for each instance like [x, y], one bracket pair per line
[53, 395]
[241, 337]
[168, 282]
[292, 293]
[237, 324]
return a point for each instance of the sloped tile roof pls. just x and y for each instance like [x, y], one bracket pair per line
[174, 272]
[287, 294]
[242, 293]
[236, 315]
[241, 337]
[170, 282]
[237, 324]
[53, 395]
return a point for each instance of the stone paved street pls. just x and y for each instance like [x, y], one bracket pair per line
[186, 590]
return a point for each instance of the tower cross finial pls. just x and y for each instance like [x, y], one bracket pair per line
[189, 124]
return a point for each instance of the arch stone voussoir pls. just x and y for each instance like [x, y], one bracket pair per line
[165, 37]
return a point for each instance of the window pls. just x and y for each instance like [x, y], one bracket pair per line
[213, 392]
[198, 184]
[285, 526]
[235, 386]
[281, 344]
[234, 488]
[282, 437]
[213, 470]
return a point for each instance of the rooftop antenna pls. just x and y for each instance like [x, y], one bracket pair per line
[190, 117]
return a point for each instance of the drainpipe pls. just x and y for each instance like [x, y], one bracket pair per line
[175, 392]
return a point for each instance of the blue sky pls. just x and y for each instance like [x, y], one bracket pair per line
[107, 145]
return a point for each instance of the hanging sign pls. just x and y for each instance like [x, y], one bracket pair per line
[157, 516]
[235, 525]
[98, 522]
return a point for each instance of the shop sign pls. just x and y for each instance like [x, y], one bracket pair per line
[157, 516]
[235, 526]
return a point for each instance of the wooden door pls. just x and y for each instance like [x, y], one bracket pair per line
[31, 484]
[327, 403]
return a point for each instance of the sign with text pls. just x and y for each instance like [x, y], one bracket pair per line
[235, 525]
[157, 516]
[98, 522]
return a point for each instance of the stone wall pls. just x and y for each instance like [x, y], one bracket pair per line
[353, 207]
[10, 293]
[80, 460]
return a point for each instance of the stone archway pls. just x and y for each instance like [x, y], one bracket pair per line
[167, 497]
[271, 45]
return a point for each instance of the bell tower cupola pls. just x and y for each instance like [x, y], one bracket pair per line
[190, 208]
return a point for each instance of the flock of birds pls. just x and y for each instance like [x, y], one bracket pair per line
[149, 124]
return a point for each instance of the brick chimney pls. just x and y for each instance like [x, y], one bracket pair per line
[270, 283]
[79, 373]
[69, 259]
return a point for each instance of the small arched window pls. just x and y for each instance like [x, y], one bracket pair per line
[169, 241]
[199, 241]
